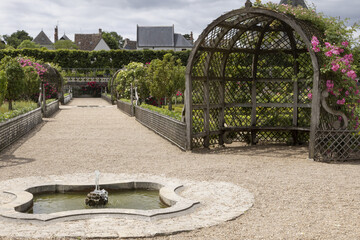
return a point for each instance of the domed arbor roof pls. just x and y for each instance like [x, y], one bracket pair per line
[247, 80]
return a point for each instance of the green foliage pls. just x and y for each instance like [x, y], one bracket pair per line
[176, 115]
[32, 81]
[65, 44]
[134, 73]
[15, 79]
[93, 59]
[28, 44]
[16, 38]
[113, 40]
[3, 86]
[19, 108]
[166, 77]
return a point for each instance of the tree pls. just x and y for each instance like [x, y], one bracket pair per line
[14, 75]
[166, 77]
[113, 40]
[3, 86]
[32, 81]
[28, 44]
[16, 38]
[65, 44]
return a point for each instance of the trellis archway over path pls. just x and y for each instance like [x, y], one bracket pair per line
[248, 79]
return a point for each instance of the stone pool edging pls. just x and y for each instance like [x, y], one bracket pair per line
[220, 202]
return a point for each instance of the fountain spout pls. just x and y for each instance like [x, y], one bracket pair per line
[97, 197]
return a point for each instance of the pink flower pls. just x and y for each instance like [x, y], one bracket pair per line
[347, 93]
[329, 53]
[341, 102]
[309, 96]
[335, 67]
[316, 49]
[345, 43]
[329, 85]
[343, 71]
[314, 41]
[351, 74]
[328, 45]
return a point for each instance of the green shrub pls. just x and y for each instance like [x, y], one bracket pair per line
[166, 112]
[19, 107]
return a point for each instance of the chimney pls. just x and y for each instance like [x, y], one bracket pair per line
[100, 31]
[192, 37]
[56, 34]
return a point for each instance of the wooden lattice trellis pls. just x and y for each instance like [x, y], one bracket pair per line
[248, 79]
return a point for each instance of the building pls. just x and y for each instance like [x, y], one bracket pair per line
[161, 38]
[129, 44]
[91, 42]
[44, 41]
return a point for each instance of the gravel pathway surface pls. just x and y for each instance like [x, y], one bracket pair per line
[295, 198]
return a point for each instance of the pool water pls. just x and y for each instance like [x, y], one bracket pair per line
[140, 199]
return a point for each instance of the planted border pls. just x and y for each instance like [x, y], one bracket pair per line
[106, 98]
[15, 128]
[52, 108]
[68, 98]
[169, 128]
[125, 107]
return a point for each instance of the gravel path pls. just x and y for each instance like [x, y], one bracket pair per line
[295, 198]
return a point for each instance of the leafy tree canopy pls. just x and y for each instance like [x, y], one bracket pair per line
[65, 44]
[113, 40]
[28, 44]
[16, 38]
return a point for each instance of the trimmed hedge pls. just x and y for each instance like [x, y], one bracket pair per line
[94, 59]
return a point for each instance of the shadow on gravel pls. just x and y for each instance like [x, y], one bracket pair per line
[271, 150]
[11, 160]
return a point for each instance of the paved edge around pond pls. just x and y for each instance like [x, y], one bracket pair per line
[219, 202]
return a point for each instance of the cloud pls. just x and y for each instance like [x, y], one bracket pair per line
[87, 16]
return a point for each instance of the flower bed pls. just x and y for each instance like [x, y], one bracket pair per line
[106, 97]
[13, 129]
[67, 98]
[125, 107]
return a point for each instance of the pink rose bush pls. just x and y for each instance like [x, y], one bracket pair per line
[341, 83]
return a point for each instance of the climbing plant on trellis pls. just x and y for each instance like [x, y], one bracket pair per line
[254, 76]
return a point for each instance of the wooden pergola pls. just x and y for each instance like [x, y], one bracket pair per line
[253, 77]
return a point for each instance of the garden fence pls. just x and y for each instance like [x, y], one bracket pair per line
[15, 128]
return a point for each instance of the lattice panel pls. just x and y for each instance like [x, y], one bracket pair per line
[274, 137]
[197, 142]
[303, 137]
[304, 117]
[228, 38]
[237, 117]
[247, 40]
[198, 121]
[210, 39]
[238, 65]
[275, 40]
[277, 65]
[214, 92]
[239, 136]
[299, 42]
[214, 121]
[337, 145]
[274, 92]
[197, 92]
[274, 117]
[214, 139]
[238, 92]
[215, 69]
[198, 68]
[305, 87]
[305, 66]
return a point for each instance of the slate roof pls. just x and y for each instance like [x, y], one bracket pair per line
[294, 3]
[87, 42]
[129, 44]
[42, 39]
[181, 41]
[64, 37]
[148, 37]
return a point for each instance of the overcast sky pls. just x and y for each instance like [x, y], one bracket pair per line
[122, 16]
